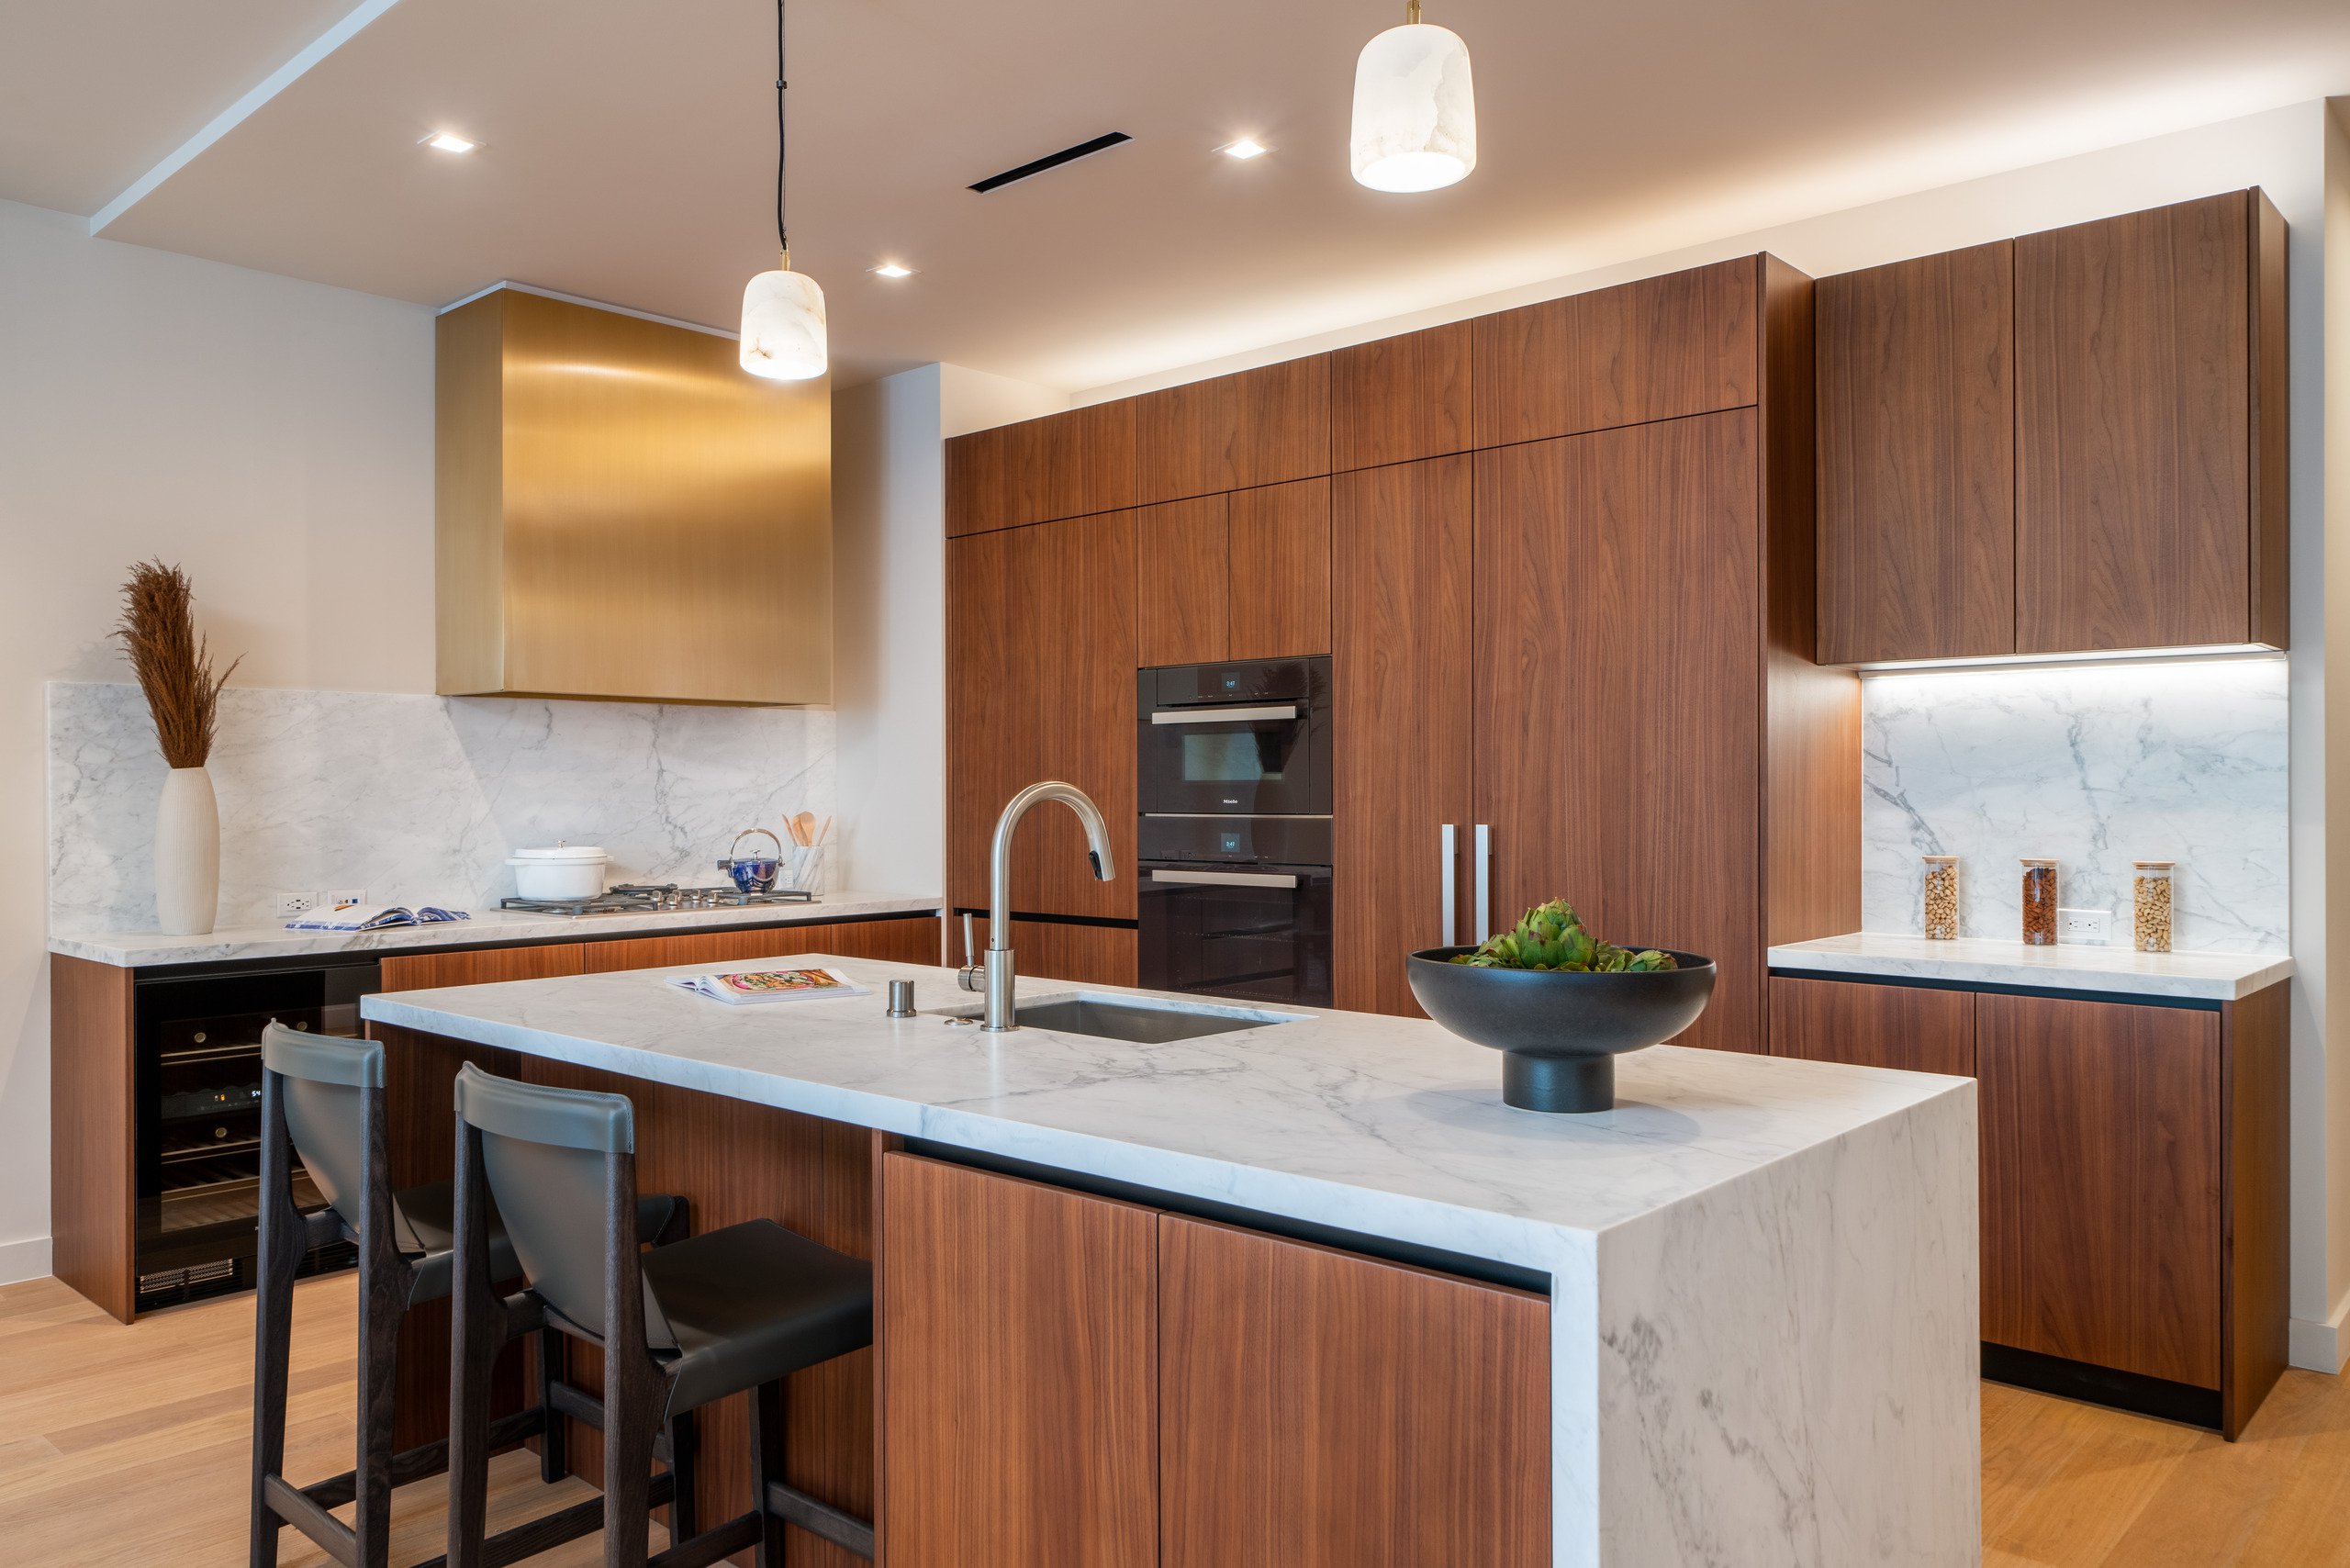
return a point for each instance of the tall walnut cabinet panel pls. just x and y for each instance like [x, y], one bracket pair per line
[1564, 562]
[2070, 442]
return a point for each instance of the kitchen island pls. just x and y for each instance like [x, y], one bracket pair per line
[1760, 1273]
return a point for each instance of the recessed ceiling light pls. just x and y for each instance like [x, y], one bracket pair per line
[891, 269]
[1244, 150]
[449, 141]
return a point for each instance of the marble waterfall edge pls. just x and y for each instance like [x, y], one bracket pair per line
[2096, 765]
[416, 799]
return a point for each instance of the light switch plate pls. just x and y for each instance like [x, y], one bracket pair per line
[2083, 925]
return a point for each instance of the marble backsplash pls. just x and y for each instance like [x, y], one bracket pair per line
[416, 799]
[2095, 766]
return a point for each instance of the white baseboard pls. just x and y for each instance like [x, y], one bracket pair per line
[26, 1259]
[2318, 1347]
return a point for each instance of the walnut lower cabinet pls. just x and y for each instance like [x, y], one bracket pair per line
[2133, 1178]
[1075, 1382]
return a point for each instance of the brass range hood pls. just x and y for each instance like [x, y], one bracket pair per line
[623, 514]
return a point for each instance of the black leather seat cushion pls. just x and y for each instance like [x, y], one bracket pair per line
[753, 1303]
[424, 1227]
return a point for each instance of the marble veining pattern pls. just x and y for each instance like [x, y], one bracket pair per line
[2093, 766]
[416, 799]
[1763, 1270]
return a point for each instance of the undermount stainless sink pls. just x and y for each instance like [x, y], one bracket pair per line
[1140, 1021]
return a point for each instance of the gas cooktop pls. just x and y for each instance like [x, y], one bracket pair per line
[644, 898]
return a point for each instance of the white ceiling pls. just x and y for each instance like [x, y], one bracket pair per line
[627, 146]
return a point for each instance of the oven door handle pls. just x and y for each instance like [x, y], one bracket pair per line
[1222, 715]
[1227, 879]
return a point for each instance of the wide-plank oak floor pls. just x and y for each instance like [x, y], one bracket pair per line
[130, 1446]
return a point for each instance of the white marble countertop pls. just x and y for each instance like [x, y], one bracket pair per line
[2209, 976]
[139, 949]
[1762, 1271]
[1389, 1126]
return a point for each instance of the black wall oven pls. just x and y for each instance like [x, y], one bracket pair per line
[1235, 834]
[1245, 739]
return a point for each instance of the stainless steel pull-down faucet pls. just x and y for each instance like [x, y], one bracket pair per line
[996, 976]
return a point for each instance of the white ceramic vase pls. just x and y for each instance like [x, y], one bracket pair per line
[188, 855]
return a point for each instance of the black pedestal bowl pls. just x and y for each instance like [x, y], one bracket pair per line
[1560, 1034]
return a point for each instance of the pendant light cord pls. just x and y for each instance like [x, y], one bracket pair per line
[782, 239]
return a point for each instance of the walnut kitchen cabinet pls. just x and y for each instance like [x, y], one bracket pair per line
[2150, 429]
[1229, 432]
[1915, 1028]
[1533, 638]
[1917, 459]
[1399, 676]
[1081, 1381]
[1040, 674]
[1577, 541]
[2073, 442]
[2133, 1178]
[1399, 399]
[1245, 575]
[1658, 349]
[1059, 949]
[1342, 503]
[1039, 470]
[1322, 1409]
[1019, 1405]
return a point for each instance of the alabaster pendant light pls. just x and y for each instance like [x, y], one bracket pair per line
[1415, 117]
[783, 311]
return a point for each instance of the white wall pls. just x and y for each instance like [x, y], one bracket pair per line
[889, 634]
[2327, 1120]
[2287, 153]
[890, 609]
[273, 437]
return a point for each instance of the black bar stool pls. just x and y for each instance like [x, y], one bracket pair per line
[739, 1308]
[322, 1097]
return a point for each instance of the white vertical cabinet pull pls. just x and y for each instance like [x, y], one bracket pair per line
[1484, 894]
[1451, 925]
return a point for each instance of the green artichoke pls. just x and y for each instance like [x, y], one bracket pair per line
[1552, 937]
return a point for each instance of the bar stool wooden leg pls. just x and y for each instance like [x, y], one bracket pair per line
[383, 1285]
[279, 1254]
[685, 1451]
[554, 1442]
[767, 1464]
[473, 1355]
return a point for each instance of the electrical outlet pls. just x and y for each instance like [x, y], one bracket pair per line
[296, 903]
[336, 897]
[2083, 925]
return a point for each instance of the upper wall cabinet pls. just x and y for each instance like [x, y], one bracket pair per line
[2074, 442]
[1069, 465]
[597, 471]
[2149, 446]
[1684, 343]
[1240, 577]
[1040, 672]
[1400, 399]
[1917, 458]
[1258, 427]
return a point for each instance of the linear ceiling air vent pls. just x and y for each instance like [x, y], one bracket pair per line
[1053, 161]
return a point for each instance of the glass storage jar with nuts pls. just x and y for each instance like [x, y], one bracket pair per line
[2151, 891]
[2040, 903]
[1942, 897]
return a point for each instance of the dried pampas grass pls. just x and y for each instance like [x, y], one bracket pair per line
[173, 664]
